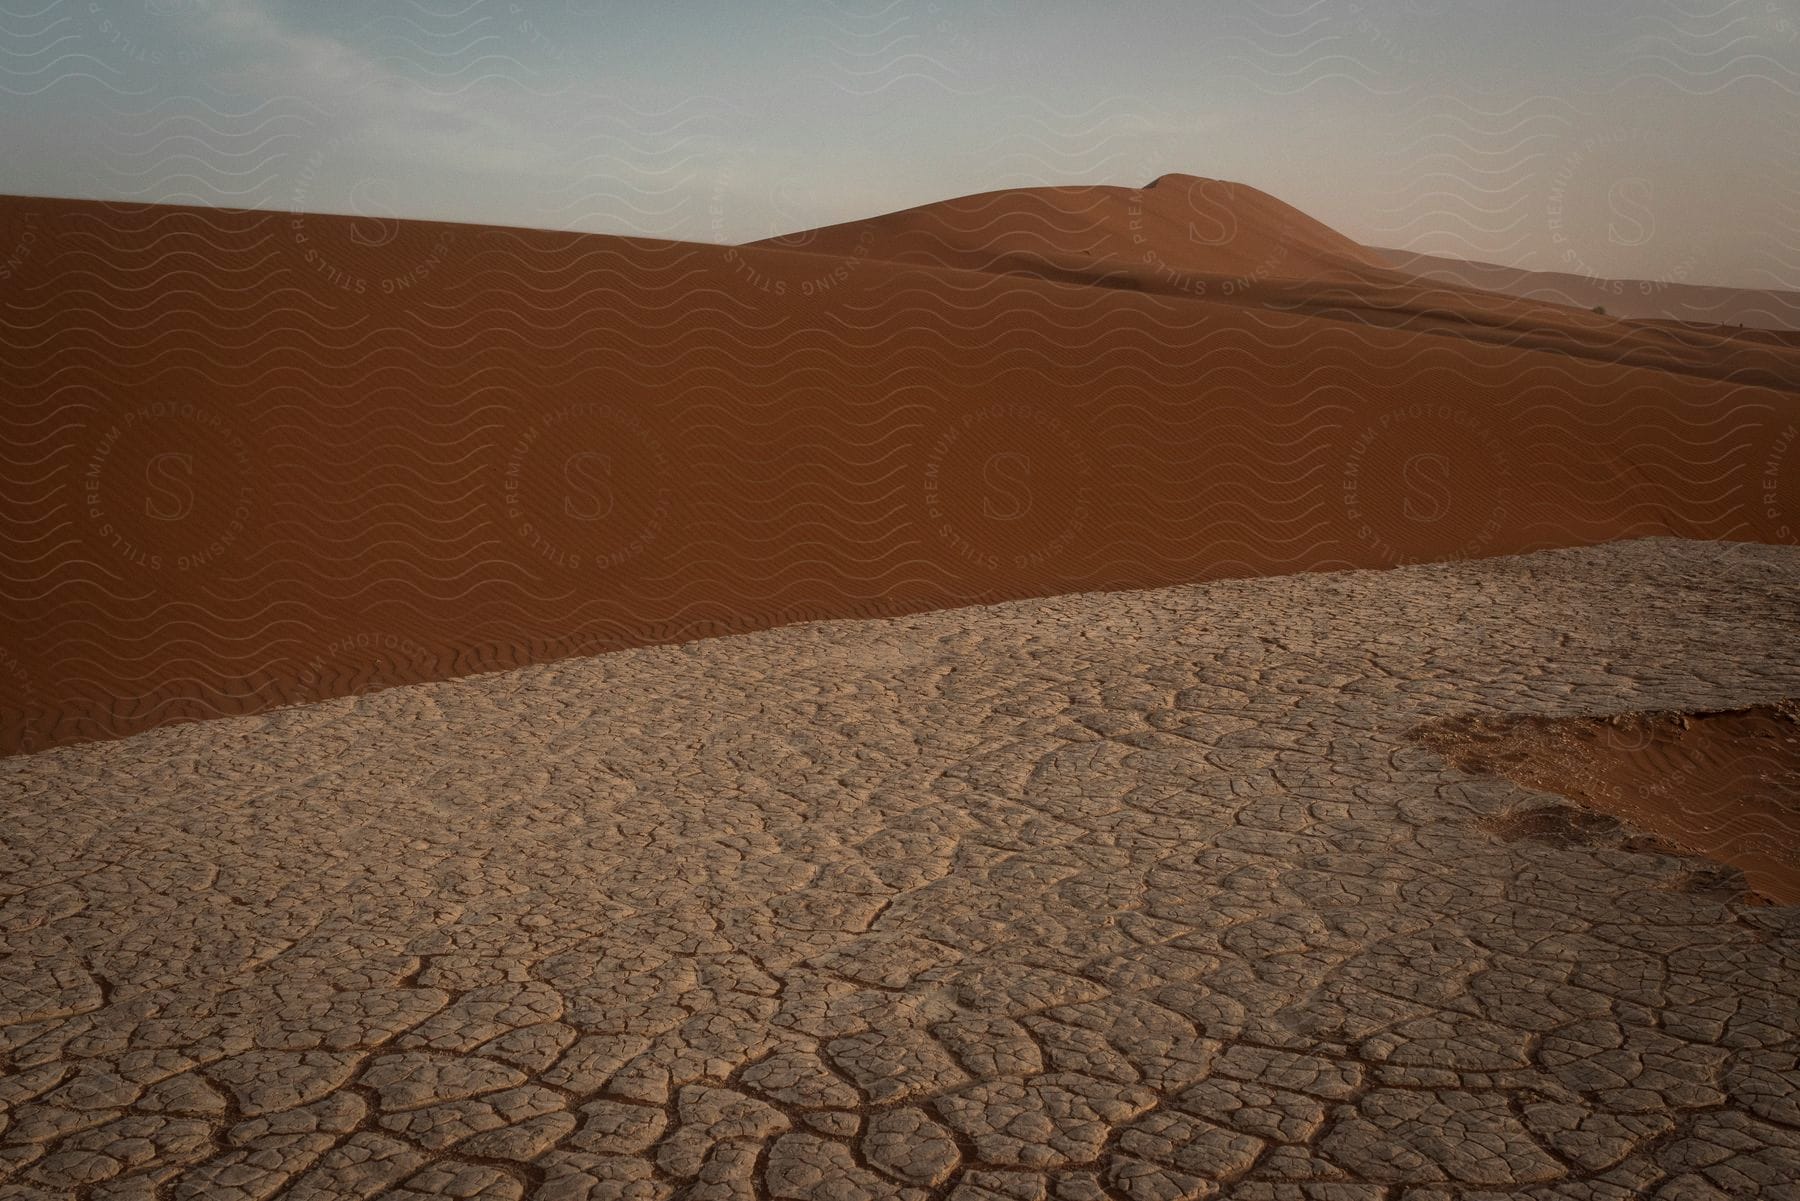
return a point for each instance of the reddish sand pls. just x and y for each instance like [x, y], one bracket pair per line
[1151, 238]
[1642, 299]
[1205, 239]
[258, 458]
[1726, 785]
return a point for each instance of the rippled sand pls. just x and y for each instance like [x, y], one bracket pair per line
[1148, 895]
[268, 488]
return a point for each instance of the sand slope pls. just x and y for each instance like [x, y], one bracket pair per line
[1150, 893]
[1666, 300]
[1195, 238]
[260, 458]
[1177, 225]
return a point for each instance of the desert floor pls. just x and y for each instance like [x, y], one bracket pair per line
[1147, 895]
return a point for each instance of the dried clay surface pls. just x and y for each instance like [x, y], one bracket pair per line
[1145, 896]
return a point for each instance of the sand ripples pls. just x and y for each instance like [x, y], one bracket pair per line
[263, 458]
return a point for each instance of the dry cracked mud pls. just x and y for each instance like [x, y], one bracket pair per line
[1135, 896]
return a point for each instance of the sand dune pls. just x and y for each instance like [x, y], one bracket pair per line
[1664, 300]
[1143, 895]
[1176, 228]
[1204, 239]
[263, 458]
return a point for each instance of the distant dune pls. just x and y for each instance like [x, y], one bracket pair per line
[1177, 227]
[257, 458]
[1642, 299]
[1206, 239]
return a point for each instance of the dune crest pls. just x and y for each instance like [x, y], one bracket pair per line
[1192, 238]
[1675, 300]
[1122, 237]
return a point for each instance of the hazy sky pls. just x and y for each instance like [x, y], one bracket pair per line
[1647, 138]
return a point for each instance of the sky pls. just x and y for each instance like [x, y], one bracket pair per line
[1647, 139]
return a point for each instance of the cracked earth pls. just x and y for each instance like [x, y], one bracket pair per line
[1136, 896]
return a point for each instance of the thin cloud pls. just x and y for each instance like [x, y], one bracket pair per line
[453, 112]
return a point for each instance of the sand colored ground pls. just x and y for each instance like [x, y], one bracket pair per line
[264, 458]
[1726, 785]
[1108, 896]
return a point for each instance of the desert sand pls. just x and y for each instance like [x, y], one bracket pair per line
[1675, 300]
[1724, 783]
[260, 458]
[1154, 895]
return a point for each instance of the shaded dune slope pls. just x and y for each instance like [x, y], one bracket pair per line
[260, 458]
[1198, 238]
[1640, 299]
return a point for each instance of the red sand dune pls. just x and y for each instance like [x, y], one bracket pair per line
[258, 458]
[1206, 239]
[1177, 228]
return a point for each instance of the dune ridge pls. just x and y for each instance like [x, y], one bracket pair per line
[260, 458]
[1195, 238]
[1672, 300]
[1174, 227]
